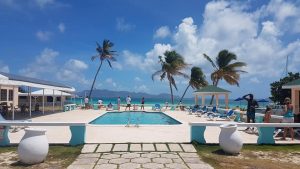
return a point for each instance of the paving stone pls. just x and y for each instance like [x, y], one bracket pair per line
[162, 160]
[169, 155]
[130, 155]
[178, 160]
[102, 161]
[89, 148]
[192, 160]
[148, 147]
[197, 166]
[150, 155]
[93, 155]
[177, 166]
[175, 147]
[86, 166]
[120, 147]
[106, 166]
[153, 166]
[119, 161]
[85, 161]
[110, 156]
[161, 147]
[104, 148]
[129, 166]
[141, 160]
[193, 155]
[188, 148]
[135, 147]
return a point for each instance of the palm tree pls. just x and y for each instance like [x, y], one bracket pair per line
[171, 66]
[225, 69]
[197, 80]
[104, 53]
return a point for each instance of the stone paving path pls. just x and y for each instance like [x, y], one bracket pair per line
[139, 156]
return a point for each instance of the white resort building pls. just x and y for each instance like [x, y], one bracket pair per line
[38, 92]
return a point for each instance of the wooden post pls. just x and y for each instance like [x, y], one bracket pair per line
[217, 100]
[203, 99]
[43, 101]
[226, 101]
[196, 99]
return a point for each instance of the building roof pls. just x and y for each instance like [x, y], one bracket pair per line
[47, 92]
[292, 84]
[12, 79]
[210, 89]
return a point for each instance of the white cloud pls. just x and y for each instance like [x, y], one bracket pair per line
[137, 79]
[43, 35]
[3, 67]
[43, 3]
[148, 62]
[61, 27]
[123, 26]
[111, 82]
[227, 25]
[117, 65]
[72, 71]
[255, 80]
[44, 63]
[162, 32]
[141, 88]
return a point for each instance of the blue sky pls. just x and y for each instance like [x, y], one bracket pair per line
[54, 40]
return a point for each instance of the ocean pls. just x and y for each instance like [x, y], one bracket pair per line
[153, 101]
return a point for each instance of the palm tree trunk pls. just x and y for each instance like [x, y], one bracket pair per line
[95, 79]
[184, 92]
[213, 96]
[172, 99]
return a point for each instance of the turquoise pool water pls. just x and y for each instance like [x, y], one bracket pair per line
[135, 117]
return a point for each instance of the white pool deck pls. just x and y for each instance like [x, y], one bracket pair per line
[121, 134]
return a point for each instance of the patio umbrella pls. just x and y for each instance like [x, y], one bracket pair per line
[263, 101]
[239, 99]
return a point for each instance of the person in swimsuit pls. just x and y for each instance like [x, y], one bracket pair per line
[267, 116]
[119, 103]
[142, 104]
[252, 104]
[288, 117]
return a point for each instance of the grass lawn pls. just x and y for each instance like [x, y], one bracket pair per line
[58, 157]
[252, 156]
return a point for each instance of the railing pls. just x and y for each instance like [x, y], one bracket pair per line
[265, 130]
[77, 130]
[69, 107]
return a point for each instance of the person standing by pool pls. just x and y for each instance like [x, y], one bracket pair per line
[288, 117]
[119, 103]
[267, 116]
[86, 102]
[167, 104]
[100, 103]
[128, 101]
[142, 104]
[252, 104]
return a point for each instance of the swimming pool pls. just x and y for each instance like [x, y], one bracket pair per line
[135, 117]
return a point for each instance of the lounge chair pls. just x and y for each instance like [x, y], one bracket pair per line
[201, 111]
[156, 107]
[228, 116]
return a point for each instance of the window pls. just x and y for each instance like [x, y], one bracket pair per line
[10, 95]
[3, 95]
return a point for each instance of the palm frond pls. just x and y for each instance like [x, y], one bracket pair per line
[109, 63]
[94, 57]
[156, 73]
[210, 60]
[172, 80]
[183, 75]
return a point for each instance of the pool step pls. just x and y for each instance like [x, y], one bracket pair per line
[138, 147]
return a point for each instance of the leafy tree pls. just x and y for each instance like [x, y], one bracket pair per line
[225, 69]
[277, 93]
[104, 53]
[171, 65]
[197, 80]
